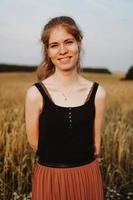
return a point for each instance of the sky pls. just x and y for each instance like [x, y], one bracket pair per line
[107, 26]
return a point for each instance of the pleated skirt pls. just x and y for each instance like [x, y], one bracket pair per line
[74, 183]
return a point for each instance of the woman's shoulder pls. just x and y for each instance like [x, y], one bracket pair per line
[101, 92]
[33, 99]
[33, 94]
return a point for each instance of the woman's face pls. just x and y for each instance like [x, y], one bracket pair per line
[63, 49]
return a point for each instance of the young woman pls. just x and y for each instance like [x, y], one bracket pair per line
[64, 114]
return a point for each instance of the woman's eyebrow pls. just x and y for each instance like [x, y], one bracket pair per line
[69, 39]
[53, 43]
[64, 41]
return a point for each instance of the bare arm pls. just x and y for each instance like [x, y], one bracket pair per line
[99, 117]
[33, 107]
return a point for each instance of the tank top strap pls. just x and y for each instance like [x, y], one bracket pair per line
[40, 86]
[93, 92]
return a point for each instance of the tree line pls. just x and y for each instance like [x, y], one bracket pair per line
[25, 68]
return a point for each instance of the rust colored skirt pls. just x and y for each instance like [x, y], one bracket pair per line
[73, 183]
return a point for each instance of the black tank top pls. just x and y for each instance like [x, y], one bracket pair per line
[66, 133]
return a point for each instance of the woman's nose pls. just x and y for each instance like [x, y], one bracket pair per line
[63, 49]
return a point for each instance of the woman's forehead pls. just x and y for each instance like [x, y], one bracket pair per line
[58, 34]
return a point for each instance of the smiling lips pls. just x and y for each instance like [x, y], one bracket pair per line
[64, 58]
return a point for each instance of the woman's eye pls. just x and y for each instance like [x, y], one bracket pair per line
[53, 46]
[70, 42]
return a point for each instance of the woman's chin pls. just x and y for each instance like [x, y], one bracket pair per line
[66, 68]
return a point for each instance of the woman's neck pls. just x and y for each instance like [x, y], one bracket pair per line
[65, 79]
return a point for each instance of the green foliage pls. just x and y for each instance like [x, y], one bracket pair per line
[96, 70]
[129, 75]
[16, 68]
[25, 68]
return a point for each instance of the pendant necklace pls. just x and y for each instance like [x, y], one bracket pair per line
[66, 97]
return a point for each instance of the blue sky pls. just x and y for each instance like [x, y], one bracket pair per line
[107, 26]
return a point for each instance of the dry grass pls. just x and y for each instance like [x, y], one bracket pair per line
[17, 159]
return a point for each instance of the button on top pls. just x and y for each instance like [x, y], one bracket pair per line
[70, 121]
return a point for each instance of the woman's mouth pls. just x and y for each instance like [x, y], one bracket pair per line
[65, 59]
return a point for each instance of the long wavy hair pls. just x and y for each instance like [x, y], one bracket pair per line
[46, 67]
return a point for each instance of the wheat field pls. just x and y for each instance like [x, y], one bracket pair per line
[17, 160]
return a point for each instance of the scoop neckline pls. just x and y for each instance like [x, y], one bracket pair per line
[66, 107]
[69, 107]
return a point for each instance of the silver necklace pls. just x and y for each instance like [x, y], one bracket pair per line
[66, 97]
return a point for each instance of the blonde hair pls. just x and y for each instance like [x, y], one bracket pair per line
[46, 67]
